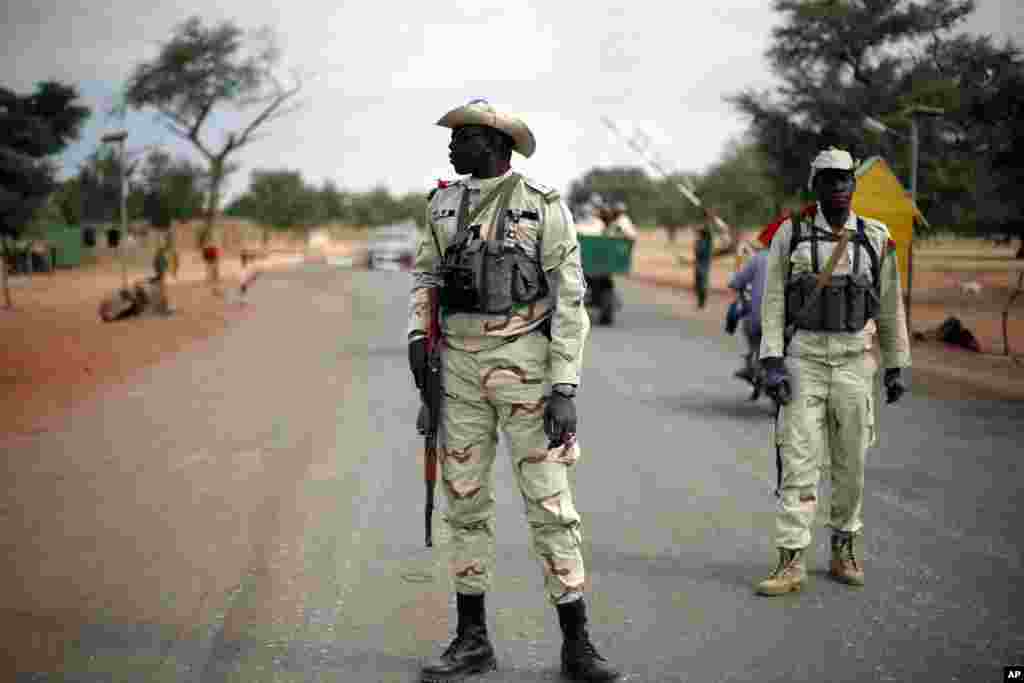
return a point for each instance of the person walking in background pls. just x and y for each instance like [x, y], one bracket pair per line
[702, 248]
[211, 257]
[161, 266]
[248, 273]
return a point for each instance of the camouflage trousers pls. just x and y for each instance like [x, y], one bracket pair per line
[829, 424]
[504, 390]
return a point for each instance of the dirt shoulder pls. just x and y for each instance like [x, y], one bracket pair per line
[939, 370]
[57, 351]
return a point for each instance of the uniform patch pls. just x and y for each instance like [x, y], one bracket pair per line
[518, 214]
[442, 213]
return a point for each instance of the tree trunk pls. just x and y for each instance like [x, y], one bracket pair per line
[3, 269]
[216, 178]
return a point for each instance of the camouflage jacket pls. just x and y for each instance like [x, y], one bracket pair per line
[834, 346]
[542, 225]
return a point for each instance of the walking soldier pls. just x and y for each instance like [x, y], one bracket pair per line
[830, 272]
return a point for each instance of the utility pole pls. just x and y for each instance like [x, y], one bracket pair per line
[119, 137]
[912, 113]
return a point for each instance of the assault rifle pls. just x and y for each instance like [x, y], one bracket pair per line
[430, 412]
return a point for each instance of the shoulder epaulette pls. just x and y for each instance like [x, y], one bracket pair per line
[876, 224]
[549, 193]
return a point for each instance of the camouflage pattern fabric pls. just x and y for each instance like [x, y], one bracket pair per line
[828, 426]
[830, 422]
[505, 389]
[497, 372]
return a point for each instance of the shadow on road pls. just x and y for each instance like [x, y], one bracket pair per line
[738, 407]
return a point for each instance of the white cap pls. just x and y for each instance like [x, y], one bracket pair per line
[832, 157]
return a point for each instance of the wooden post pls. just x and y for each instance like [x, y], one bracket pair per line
[3, 269]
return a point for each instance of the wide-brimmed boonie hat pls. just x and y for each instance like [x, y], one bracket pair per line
[481, 113]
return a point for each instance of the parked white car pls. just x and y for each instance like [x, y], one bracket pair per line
[392, 247]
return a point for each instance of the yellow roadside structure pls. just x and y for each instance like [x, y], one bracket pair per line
[880, 195]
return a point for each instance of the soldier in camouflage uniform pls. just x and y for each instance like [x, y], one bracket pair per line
[515, 371]
[826, 383]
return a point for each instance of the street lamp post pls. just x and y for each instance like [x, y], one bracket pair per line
[874, 124]
[119, 137]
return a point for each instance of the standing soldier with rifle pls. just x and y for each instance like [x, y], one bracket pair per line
[830, 272]
[501, 254]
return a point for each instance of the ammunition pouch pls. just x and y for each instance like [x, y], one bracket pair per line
[490, 277]
[844, 305]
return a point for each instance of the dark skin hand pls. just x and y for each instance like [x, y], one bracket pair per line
[834, 190]
[475, 150]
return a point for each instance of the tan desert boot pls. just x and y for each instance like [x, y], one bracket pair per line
[789, 576]
[844, 567]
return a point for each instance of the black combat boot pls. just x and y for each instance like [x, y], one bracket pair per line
[471, 652]
[580, 661]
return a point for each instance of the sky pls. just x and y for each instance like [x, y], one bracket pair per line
[377, 76]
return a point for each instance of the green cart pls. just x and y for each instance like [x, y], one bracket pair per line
[602, 257]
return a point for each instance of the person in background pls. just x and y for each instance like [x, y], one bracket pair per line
[702, 249]
[749, 281]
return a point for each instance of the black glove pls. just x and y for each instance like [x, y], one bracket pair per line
[559, 419]
[894, 386]
[776, 380]
[418, 361]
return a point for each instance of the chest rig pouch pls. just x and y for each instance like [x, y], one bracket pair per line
[846, 302]
[489, 276]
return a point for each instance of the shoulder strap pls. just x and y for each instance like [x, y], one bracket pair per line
[437, 244]
[794, 239]
[501, 212]
[814, 250]
[872, 254]
[464, 221]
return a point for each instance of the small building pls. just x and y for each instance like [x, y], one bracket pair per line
[880, 195]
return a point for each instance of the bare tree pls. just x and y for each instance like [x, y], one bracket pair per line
[202, 69]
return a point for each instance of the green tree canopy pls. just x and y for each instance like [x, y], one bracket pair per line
[840, 61]
[173, 189]
[740, 187]
[33, 128]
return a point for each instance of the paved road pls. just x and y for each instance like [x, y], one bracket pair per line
[250, 511]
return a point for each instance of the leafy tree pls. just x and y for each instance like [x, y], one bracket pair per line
[205, 68]
[981, 88]
[335, 202]
[281, 200]
[642, 194]
[173, 189]
[839, 61]
[740, 187]
[94, 194]
[33, 128]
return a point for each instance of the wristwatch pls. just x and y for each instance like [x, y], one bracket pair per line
[566, 390]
